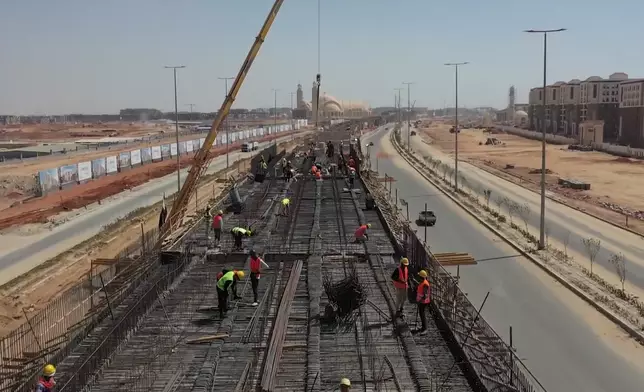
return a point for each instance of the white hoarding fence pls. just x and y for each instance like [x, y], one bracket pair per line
[110, 165]
[135, 157]
[189, 146]
[84, 171]
[173, 149]
[156, 152]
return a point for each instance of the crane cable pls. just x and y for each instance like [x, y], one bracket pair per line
[318, 76]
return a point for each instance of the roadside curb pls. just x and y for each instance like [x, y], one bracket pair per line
[581, 294]
[617, 225]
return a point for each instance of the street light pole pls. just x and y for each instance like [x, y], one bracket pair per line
[408, 115]
[456, 65]
[542, 221]
[176, 124]
[398, 110]
[275, 90]
[226, 123]
[192, 105]
[292, 125]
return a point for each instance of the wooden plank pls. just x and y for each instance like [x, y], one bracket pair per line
[208, 339]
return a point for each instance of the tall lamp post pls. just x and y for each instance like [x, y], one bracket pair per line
[292, 124]
[456, 65]
[542, 222]
[275, 91]
[226, 124]
[398, 110]
[408, 115]
[176, 123]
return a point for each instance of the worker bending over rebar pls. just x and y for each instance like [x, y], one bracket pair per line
[285, 207]
[256, 265]
[361, 233]
[228, 281]
[238, 234]
[400, 279]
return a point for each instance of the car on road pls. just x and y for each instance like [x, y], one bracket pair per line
[246, 147]
[426, 218]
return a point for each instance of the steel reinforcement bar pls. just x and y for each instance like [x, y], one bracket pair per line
[496, 365]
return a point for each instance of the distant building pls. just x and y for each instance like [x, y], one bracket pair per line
[567, 105]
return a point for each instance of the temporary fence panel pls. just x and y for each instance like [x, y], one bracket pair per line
[99, 168]
[48, 181]
[182, 148]
[165, 151]
[125, 161]
[111, 164]
[146, 154]
[189, 146]
[135, 157]
[173, 149]
[68, 174]
[156, 153]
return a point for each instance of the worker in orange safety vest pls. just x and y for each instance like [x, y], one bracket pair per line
[361, 233]
[256, 265]
[400, 279]
[423, 296]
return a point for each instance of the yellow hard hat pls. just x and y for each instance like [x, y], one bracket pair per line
[345, 382]
[49, 370]
[221, 212]
[240, 274]
[422, 274]
[404, 261]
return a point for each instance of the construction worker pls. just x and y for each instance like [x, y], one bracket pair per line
[345, 385]
[227, 282]
[422, 299]
[217, 223]
[256, 265]
[352, 176]
[207, 218]
[361, 233]
[288, 171]
[238, 234]
[400, 279]
[46, 380]
[352, 163]
[318, 175]
[285, 209]
[314, 169]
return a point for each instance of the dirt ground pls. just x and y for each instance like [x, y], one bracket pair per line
[61, 273]
[615, 190]
[65, 132]
[38, 210]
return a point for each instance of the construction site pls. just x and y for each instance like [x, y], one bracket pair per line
[324, 315]
[150, 321]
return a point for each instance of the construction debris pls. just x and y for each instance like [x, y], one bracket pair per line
[345, 296]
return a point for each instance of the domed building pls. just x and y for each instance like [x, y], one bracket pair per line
[329, 107]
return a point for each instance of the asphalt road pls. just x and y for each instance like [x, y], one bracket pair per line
[554, 340]
[561, 221]
[23, 253]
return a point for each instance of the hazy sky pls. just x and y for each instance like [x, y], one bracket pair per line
[99, 56]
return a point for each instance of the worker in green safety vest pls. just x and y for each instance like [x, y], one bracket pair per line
[225, 283]
[238, 234]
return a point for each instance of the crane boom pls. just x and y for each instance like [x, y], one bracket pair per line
[202, 158]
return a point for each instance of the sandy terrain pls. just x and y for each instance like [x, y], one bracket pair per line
[67, 269]
[613, 188]
[38, 210]
[62, 132]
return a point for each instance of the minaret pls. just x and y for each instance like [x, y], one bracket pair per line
[300, 97]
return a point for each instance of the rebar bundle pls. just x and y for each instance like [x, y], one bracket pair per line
[345, 296]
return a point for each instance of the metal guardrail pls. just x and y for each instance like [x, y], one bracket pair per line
[495, 363]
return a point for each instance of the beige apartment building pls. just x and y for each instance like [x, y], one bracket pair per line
[569, 104]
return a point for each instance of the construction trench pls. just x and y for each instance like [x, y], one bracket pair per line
[167, 335]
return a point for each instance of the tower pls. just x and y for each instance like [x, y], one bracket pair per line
[511, 103]
[300, 97]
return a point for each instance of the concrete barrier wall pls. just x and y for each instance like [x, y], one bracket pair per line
[54, 179]
[613, 149]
